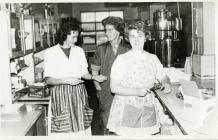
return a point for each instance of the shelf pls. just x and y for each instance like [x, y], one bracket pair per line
[29, 51]
[20, 54]
[15, 99]
[39, 62]
[18, 93]
[22, 69]
[27, 98]
[40, 49]
[19, 90]
[33, 100]
[17, 54]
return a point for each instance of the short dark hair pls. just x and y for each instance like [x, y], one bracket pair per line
[117, 22]
[65, 29]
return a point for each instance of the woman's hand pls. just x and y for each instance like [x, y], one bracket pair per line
[97, 86]
[143, 92]
[99, 78]
[73, 81]
[166, 88]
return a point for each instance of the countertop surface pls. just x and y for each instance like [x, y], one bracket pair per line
[17, 119]
[184, 118]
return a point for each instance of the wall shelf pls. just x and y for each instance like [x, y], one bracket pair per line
[22, 69]
[22, 46]
[29, 51]
[39, 49]
[20, 89]
[20, 54]
[39, 62]
[17, 55]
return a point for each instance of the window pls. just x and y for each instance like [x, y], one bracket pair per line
[93, 30]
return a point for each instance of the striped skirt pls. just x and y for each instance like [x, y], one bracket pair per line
[67, 103]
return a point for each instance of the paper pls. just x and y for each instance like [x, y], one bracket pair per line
[175, 75]
[189, 88]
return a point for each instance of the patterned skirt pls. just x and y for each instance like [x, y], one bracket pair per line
[67, 103]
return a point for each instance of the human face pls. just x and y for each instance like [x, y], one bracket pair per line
[72, 38]
[137, 39]
[111, 33]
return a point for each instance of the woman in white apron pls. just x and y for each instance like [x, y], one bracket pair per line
[65, 65]
[135, 111]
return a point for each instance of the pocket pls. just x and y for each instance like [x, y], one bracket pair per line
[148, 116]
[131, 116]
[61, 123]
[88, 116]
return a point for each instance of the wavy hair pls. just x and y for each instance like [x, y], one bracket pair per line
[136, 24]
[117, 22]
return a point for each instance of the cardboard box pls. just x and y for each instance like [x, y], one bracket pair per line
[204, 66]
[193, 97]
[195, 105]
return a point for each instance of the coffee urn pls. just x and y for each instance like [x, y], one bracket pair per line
[165, 29]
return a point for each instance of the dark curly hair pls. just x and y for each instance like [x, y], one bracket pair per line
[65, 29]
[136, 24]
[117, 22]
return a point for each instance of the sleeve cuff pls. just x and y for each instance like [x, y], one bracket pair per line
[95, 67]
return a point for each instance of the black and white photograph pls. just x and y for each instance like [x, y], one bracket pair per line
[108, 69]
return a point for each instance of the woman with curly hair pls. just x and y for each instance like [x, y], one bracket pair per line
[64, 68]
[104, 57]
[134, 110]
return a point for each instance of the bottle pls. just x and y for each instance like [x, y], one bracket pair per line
[188, 65]
[13, 66]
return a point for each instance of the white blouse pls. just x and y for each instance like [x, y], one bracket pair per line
[57, 65]
[137, 70]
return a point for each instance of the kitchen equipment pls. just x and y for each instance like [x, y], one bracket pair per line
[169, 52]
[38, 91]
[166, 29]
